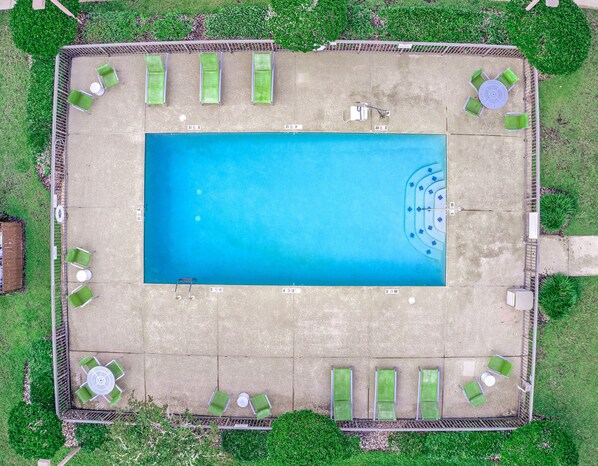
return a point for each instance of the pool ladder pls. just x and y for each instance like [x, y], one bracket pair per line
[184, 282]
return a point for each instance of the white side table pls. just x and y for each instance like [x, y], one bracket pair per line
[243, 400]
[84, 275]
[488, 379]
[97, 88]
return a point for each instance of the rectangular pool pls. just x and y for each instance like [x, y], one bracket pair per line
[295, 209]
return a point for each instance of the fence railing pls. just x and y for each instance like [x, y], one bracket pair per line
[60, 336]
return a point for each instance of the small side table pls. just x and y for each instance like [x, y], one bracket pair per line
[97, 88]
[488, 379]
[84, 275]
[243, 400]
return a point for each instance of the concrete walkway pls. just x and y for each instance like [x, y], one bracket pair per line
[572, 255]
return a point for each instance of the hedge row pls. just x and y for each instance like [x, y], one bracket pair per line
[238, 22]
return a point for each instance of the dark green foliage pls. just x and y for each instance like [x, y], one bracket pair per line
[41, 375]
[556, 210]
[245, 445]
[542, 443]
[43, 32]
[113, 26]
[171, 27]
[91, 436]
[304, 437]
[304, 25]
[238, 22]
[554, 40]
[40, 99]
[360, 25]
[407, 443]
[558, 295]
[34, 431]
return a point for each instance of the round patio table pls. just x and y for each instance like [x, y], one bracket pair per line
[84, 275]
[97, 88]
[243, 400]
[488, 379]
[493, 94]
[100, 380]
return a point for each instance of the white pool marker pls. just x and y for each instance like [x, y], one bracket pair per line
[193, 127]
[197, 218]
[411, 300]
[216, 289]
[291, 290]
[391, 291]
[381, 128]
[138, 214]
[182, 117]
[293, 127]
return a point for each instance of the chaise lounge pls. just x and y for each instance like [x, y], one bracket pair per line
[385, 395]
[210, 78]
[428, 395]
[262, 78]
[341, 394]
[155, 80]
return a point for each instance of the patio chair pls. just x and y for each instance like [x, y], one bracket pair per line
[500, 365]
[81, 100]
[508, 78]
[81, 296]
[114, 396]
[155, 79]
[428, 394]
[261, 406]
[116, 369]
[210, 78]
[78, 257]
[107, 76]
[477, 79]
[88, 363]
[385, 395]
[262, 78]
[218, 403]
[474, 393]
[516, 121]
[473, 106]
[85, 394]
[341, 396]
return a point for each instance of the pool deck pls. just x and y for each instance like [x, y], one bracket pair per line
[258, 339]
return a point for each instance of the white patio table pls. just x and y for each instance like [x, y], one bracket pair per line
[493, 94]
[100, 380]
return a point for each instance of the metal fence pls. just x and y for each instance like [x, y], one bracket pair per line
[60, 336]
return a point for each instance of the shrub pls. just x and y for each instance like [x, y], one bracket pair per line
[40, 99]
[171, 27]
[43, 32]
[556, 210]
[245, 445]
[41, 375]
[304, 437]
[305, 25]
[539, 443]
[554, 40]
[558, 295]
[359, 23]
[113, 26]
[91, 436]
[238, 22]
[34, 431]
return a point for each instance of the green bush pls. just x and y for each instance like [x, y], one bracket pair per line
[304, 437]
[359, 23]
[41, 375]
[238, 22]
[34, 431]
[301, 26]
[114, 26]
[541, 443]
[43, 32]
[171, 27]
[558, 295]
[556, 210]
[40, 99]
[245, 445]
[91, 436]
[554, 40]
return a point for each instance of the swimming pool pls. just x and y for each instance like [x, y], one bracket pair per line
[295, 209]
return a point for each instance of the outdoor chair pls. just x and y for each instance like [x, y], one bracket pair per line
[508, 78]
[81, 296]
[516, 121]
[218, 403]
[114, 396]
[107, 76]
[81, 100]
[473, 106]
[85, 394]
[477, 79]
[474, 393]
[210, 78]
[155, 79]
[88, 363]
[341, 396]
[116, 369]
[78, 257]
[385, 395]
[262, 78]
[500, 366]
[428, 394]
[261, 406]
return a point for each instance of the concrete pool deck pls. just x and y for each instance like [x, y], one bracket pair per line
[258, 339]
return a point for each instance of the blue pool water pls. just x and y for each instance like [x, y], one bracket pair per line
[295, 209]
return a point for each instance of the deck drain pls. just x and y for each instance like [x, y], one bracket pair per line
[291, 290]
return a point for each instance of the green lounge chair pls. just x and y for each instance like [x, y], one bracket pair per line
[85, 394]
[81, 296]
[114, 396]
[78, 257]
[500, 366]
[508, 78]
[516, 121]
[474, 393]
[107, 76]
[428, 395]
[210, 78]
[341, 396]
[261, 406]
[477, 79]
[262, 78]
[218, 403]
[155, 80]
[88, 363]
[473, 106]
[81, 100]
[385, 395]
[116, 369]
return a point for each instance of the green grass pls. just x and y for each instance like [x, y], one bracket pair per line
[152, 7]
[569, 131]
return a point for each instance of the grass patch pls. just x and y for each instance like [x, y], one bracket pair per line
[245, 445]
[158, 7]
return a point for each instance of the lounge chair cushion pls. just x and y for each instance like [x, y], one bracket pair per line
[261, 405]
[80, 99]
[429, 410]
[342, 395]
[218, 403]
[386, 411]
[473, 106]
[108, 75]
[474, 394]
[210, 78]
[262, 85]
[386, 395]
[80, 297]
[155, 80]
[84, 394]
[500, 366]
[116, 369]
[343, 411]
[78, 256]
